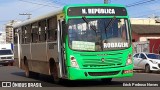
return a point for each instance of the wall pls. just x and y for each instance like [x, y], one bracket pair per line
[135, 37]
[154, 46]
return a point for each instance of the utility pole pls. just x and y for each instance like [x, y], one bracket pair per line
[105, 1]
[27, 14]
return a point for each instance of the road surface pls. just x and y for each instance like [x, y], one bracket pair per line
[12, 73]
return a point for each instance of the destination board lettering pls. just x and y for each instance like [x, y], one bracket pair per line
[97, 11]
[116, 45]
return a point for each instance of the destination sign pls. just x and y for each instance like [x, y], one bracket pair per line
[97, 11]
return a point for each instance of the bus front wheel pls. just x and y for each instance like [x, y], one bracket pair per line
[26, 69]
[55, 73]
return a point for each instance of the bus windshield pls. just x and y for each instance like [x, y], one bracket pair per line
[6, 52]
[98, 34]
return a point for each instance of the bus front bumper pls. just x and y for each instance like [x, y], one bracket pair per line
[81, 74]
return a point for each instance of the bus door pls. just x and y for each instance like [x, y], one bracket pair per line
[61, 46]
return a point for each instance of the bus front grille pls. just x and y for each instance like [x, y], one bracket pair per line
[107, 62]
[103, 73]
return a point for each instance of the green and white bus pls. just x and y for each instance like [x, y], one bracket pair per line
[77, 42]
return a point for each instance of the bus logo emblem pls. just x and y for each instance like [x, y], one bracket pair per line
[102, 59]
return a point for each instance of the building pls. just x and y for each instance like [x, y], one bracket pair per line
[9, 31]
[2, 38]
[146, 35]
[144, 29]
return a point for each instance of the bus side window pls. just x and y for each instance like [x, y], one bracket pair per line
[28, 34]
[35, 32]
[55, 35]
[15, 36]
[42, 31]
[52, 29]
[23, 34]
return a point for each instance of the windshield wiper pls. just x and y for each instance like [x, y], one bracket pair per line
[110, 22]
[92, 27]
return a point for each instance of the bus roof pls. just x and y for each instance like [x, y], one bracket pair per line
[60, 10]
[39, 18]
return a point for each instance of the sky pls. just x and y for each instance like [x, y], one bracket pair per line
[10, 9]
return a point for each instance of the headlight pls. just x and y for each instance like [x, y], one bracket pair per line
[73, 61]
[129, 60]
[154, 62]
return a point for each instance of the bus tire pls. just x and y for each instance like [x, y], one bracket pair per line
[26, 68]
[106, 80]
[54, 71]
[28, 73]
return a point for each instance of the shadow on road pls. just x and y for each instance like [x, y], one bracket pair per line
[48, 80]
[22, 74]
[89, 83]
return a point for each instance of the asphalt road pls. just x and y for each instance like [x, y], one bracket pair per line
[11, 73]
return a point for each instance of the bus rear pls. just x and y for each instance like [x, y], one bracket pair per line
[98, 42]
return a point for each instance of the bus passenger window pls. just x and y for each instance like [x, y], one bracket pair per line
[52, 35]
[52, 29]
[35, 37]
[55, 35]
[28, 34]
[42, 31]
[15, 36]
[35, 32]
[23, 35]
